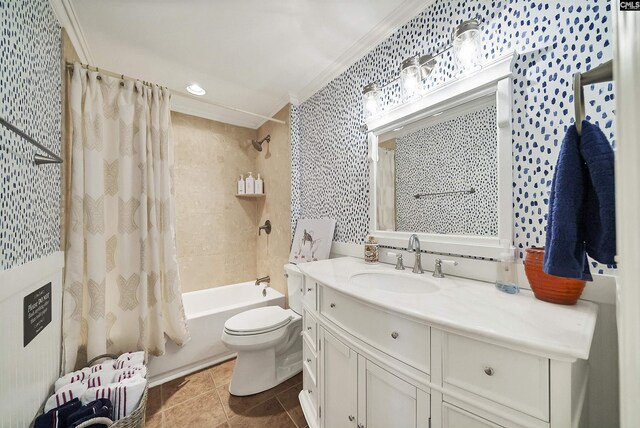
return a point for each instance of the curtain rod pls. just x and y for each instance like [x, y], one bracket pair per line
[70, 65]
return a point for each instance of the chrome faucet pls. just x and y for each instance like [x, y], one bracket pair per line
[414, 245]
[437, 271]
[266, 279]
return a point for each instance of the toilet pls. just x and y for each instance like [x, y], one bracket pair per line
[268, 341]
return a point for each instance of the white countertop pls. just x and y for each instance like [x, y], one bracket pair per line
[473, 307]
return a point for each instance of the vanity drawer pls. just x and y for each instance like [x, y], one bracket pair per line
[310, 329]
[310, 389]
[510, 378]
[399, 337]
[309, 297]
[309, 360]
[454, 417]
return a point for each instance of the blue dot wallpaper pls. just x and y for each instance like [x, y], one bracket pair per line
[552, 40]
[30, 86]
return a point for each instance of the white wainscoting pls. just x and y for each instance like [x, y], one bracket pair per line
[28, 373]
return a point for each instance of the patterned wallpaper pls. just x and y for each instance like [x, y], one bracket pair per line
[553, 40]
[30, 82]
[451, 155]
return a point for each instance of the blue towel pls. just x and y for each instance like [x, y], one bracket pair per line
[58, 417]
[581, 216]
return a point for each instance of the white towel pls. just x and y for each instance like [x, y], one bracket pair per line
[64, 394]
[85, 373]
[100, 378]
[129, 372]
[125, 395]
[129, 359]
[128, 394]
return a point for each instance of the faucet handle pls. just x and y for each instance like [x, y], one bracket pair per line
[437, 271]
[399, 264]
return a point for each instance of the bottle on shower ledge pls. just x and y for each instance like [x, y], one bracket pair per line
[241, 188]
[250, 184]
[259, 186]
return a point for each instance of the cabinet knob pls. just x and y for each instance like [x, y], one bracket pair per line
[309, 328]
[308, 360]
[309, 391]
[333, 305]
[395, 335]
[302, 290]
[488, 371]
[351, 418]
[309, 289]
[360, 426]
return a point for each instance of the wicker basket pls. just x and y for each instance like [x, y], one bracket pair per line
[135, 420]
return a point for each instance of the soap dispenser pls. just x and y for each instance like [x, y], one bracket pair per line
[241, 188]
[506, 271]
[371, 250]
[250, 184]
[259, 185]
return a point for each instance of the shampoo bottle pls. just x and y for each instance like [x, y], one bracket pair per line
[259, 185]
[250, 184]
[241, 188]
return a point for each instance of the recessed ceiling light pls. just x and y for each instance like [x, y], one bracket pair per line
[196, 89]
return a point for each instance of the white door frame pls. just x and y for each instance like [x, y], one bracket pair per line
[626, 72]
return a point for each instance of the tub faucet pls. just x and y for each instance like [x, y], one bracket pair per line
[414, 245]
[266, 279]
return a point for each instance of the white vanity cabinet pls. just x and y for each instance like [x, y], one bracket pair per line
[373, 365]
[355, 392]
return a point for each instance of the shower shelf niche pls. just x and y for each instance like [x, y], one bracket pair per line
[250, 196]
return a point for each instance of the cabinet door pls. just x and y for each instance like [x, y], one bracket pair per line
[390, 402]
[339, 368]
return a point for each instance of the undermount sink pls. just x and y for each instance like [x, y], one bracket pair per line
[393, 283]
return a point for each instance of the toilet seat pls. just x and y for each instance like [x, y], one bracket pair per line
[258, 321]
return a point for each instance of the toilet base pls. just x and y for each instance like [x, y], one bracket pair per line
[257, 371]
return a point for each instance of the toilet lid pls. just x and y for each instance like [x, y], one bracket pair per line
[258, 320]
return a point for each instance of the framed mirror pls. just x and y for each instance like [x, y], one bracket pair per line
[441, 167]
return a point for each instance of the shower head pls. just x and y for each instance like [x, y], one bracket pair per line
[258, 144]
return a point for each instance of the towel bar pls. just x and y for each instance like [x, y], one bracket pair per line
[599, 74]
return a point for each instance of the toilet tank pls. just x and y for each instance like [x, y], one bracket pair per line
[294, 287]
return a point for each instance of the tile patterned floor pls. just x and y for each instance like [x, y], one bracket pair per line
[202, 399]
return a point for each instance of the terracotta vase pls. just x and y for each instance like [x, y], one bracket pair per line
[554, 289]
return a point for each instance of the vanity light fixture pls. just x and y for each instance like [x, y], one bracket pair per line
[196, 89]
[410, 78]
[467, 45]
[414, 71]
[371, 99]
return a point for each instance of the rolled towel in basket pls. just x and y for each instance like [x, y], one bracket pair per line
[129, 359]
[85, 373]
[65, 394]
[124, 395]
[97, 408]
[57, 417]
[129, 372]
[104, 377]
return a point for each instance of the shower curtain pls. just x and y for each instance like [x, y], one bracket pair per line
[386, 190]
[122, 286]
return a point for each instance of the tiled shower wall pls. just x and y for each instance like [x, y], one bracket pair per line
[553, 40]
[30, 81]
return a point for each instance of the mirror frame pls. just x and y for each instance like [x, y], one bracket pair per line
[492, 80]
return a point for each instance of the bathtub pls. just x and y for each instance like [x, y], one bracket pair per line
[206, 312]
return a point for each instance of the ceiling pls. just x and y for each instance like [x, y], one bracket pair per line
[255, 55]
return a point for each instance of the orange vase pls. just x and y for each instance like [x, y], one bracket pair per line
[554, 289]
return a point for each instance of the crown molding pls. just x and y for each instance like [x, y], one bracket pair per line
[68, 19]
[185, 105]
[400, 16]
